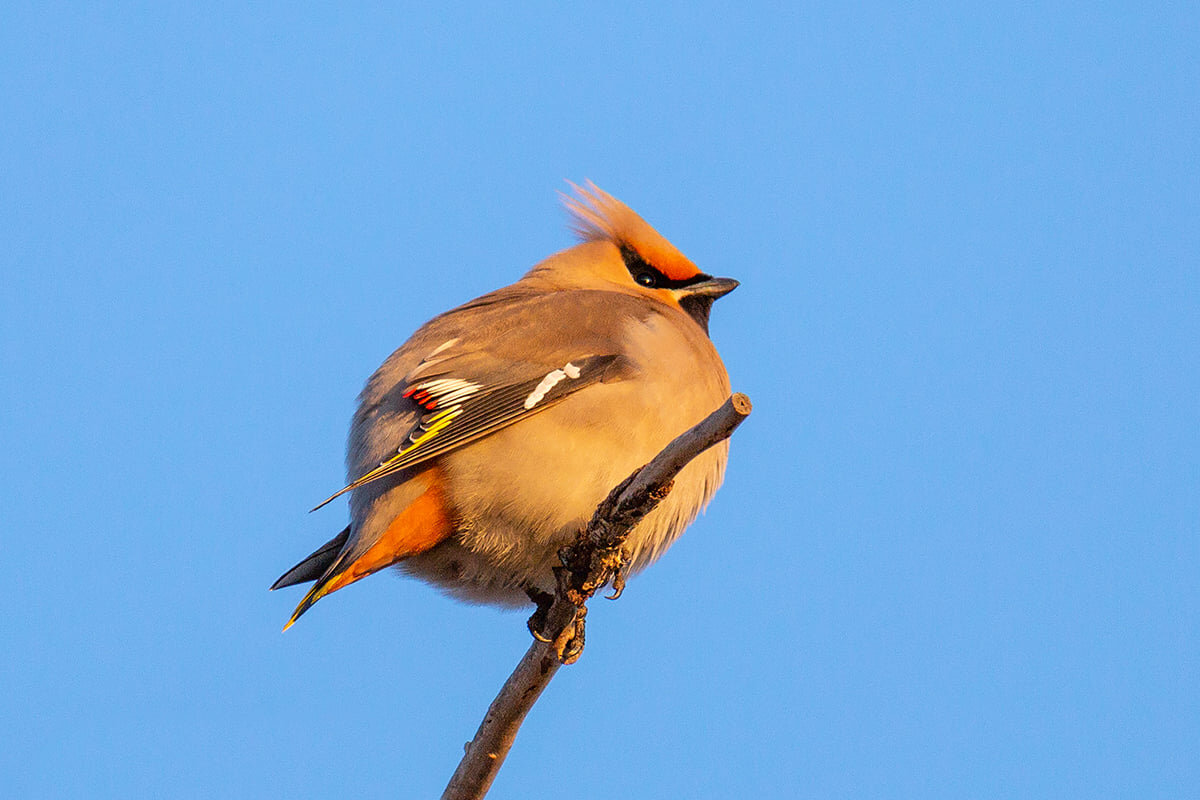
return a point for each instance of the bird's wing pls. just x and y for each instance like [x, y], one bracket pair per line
[461, 399]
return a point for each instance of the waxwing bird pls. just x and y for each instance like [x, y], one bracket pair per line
[485, 443]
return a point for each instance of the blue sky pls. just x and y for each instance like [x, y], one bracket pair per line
[956, 554]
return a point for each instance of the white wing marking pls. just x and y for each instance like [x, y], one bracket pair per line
[551, 380]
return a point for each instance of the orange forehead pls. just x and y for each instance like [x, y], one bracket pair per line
[597, 216]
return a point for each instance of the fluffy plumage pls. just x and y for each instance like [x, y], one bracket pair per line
[484, 443]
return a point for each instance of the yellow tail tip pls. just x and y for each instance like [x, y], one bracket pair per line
[319, 590]
[300, 609]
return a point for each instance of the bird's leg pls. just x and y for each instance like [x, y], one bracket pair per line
[537, 622]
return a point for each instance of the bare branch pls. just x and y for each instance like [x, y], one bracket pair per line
[596, 558]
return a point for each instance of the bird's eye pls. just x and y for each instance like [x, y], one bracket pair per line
[647, 279]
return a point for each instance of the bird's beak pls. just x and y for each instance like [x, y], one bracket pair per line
[710, 287]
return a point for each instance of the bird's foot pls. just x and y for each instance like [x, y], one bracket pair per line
[541, 616]
[619, 566]
[610, 565]
[572, 648]
[568, 645]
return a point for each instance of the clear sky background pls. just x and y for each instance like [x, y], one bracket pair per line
[957, 553]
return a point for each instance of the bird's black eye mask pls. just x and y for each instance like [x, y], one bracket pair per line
[646, 274]
[698, 307]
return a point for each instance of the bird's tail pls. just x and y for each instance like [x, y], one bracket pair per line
[314, 564]
[345, 559]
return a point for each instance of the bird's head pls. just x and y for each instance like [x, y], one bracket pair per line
[622, 252]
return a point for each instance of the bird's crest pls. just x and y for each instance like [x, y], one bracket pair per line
[597, 216]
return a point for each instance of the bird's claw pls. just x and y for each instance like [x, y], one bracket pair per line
[541, 616]
[618, 578]
[572, 649]
[617, 566]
